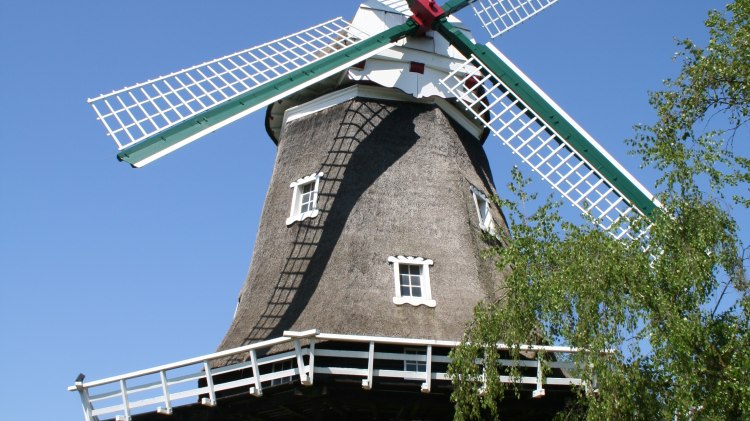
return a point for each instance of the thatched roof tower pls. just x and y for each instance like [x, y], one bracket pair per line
[397, 187]
[373, 219]
[368, 260]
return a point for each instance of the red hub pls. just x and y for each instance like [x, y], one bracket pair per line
[425, 13]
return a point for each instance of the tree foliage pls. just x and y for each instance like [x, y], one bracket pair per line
[703, 109]
[677, 317]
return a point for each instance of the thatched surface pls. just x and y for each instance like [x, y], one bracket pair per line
[396, 182]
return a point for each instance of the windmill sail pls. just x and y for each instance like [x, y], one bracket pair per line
[152, 119]
[498, 16]
[353, 257]
[576, 166]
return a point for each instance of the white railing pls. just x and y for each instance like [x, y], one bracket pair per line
[159, 389]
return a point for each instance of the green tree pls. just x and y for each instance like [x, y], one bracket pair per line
[677, 318]
[712, 90]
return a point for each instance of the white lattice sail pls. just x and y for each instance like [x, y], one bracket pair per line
[135, 113]
[521, 129]
[498, 16]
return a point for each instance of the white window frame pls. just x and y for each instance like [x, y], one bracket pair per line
[237, 307]
[424, 264]
[296, 214]
[419, 364]
[486, 222]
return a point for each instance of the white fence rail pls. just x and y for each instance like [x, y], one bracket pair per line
[159, 389]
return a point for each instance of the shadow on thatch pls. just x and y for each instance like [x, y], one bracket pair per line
[353, 163]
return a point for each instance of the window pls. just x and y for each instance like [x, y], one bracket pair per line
[417, 366]
[281, 366]
[304, 198]
[237, 307]
[411, 277]
[486, 223]
[411, 280]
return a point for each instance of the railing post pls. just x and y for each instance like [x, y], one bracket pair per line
[311, 358]
[539, 392]
[85, 402]
[483, 388]
[304, 378]
[256, 390]
[427, 385]
[167, 410]
[125, 402]
[211, 400]
[594, 382]
[367, 383]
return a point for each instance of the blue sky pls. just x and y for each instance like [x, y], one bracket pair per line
[105, 269]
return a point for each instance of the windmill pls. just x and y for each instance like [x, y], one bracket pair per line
[368, 257]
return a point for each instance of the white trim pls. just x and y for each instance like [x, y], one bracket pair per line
[289, 335]
[237, 307]
[402, 56]
[143, 394]
[486, 223]
[377, 92]
[426, 298]
[294, 213]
